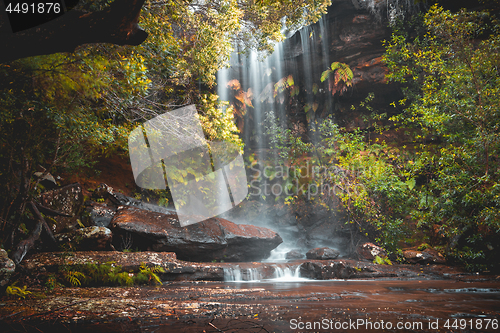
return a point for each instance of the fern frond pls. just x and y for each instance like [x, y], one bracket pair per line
[74, 277]
[325, 75]
[14, 290]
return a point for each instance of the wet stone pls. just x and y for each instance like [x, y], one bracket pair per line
[322, 253]
[7, 268]
[90, 238]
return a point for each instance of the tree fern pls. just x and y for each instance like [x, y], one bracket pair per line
[339, 77]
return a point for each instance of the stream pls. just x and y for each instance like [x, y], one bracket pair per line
[279, 304]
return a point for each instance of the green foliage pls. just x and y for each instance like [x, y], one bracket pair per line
[71, 276]
[51, 281]
[16, 291]
[106, 274]
[449, 66]
[287, 145]
[382, 261]
[339, 77]
[151, 273]
[372, 188]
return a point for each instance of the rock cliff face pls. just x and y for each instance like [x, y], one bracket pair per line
[350, 34]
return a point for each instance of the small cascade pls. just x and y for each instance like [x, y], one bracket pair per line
[262, 273]
[278, 254]
[287, 274]
[237, 274]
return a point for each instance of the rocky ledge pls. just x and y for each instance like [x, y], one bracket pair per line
[178, 270]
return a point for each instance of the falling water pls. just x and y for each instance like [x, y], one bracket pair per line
[280, 273]
[287, 274]
[304, 56]
[304, 60]
[237, 274]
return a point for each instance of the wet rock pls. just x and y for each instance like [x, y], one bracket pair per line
[294, 254]
[369, 251]
[67, 200]
[351, 269]
[99, 215]
[427, 256]
[321, 231]
[7, 268]
[175, 270]
[89, 238]
[322, 253]
[212, 239]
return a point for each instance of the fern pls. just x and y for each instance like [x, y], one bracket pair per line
[51, 282]
[339, 77]
[14, 290]
[151, 273]
[73, 277]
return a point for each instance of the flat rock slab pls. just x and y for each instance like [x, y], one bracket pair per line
[175, 270]
[209, 240]
[178, 270]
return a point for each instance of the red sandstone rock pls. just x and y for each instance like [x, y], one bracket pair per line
[212, 239]
[369, 251]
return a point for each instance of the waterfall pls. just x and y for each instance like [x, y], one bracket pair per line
[304, 56]
[280, 273]
[237, 274]
[288, 83]
[287, 273]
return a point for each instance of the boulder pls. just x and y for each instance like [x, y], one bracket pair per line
[294, 254]
[369, 251]
[99, 215]
[7, 268]
[427, 256]
[67, 200]
[322, 253]
[212, 239]
[89, 238]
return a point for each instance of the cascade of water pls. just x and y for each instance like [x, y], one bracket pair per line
[232, 273]
[287, 273]
[237, 274]
[222, 81]
[282, 273]
[323, 28]
[304, 57]
[306, 41]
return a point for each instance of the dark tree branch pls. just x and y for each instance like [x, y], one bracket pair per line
[26, 245]
[44, 223]
[117, 24]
